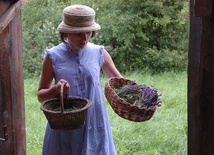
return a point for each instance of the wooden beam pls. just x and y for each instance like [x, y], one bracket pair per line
[9, 14]
[17, 85]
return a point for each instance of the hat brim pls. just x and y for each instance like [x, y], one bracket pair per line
[64, 28]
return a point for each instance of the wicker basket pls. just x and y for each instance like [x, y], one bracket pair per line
[122, 108]
[65, 120]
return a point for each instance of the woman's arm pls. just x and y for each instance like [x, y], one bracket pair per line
[45, 91]
[109, 67]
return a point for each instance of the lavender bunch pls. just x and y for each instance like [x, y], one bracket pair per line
[149, 97]
[139, 95]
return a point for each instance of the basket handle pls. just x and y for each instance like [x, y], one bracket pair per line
[61, 97]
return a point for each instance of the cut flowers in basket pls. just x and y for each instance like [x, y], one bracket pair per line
[139, 95]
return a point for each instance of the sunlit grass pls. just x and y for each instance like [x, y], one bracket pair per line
[164, 134]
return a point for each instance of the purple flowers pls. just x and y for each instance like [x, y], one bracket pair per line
[139, 95]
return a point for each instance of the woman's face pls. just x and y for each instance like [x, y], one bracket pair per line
[78, 40]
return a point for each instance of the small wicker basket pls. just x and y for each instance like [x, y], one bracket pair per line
[66, 120]
[122, 108]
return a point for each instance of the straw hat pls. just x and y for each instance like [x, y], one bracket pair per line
[78, 18]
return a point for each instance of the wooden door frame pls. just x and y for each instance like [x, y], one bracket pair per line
[13, 137]
[201, 78]
[200, 75]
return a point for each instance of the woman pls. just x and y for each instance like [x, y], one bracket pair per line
[77, 63]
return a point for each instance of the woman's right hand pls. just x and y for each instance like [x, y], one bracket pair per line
[66, 88]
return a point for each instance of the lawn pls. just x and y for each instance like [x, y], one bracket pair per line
[164, 134]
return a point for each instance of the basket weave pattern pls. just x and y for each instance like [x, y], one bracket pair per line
[66, 120]
[122, 108]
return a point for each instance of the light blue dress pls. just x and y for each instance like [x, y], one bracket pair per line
[82, 70]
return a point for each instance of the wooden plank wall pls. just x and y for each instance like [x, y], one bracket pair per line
[12, 113]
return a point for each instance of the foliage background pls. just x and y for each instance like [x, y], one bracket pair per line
[145, 35]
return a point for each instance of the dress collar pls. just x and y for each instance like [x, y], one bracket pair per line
[70, 53]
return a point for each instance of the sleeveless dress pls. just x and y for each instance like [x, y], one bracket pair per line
[82, 70]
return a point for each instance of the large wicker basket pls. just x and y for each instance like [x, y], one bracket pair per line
[65, 120]
[122, 108]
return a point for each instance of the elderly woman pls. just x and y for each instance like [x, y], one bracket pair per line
[77, 63]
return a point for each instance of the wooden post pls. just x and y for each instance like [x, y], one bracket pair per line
[12, 113]
[201, 81]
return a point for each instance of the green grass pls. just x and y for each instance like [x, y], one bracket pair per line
[164, 134]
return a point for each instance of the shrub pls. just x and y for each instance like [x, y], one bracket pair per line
[139, 34]
[132, 29]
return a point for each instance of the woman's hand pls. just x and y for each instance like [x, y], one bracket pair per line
[51, 92]
[66, 87]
